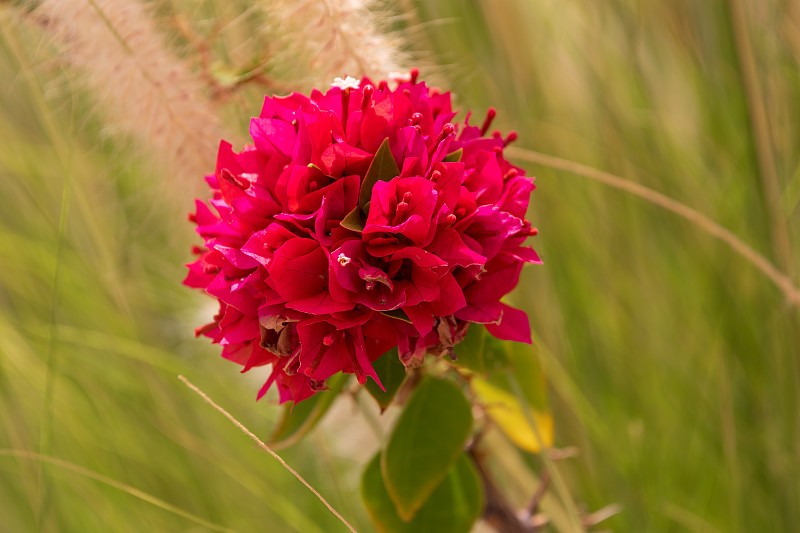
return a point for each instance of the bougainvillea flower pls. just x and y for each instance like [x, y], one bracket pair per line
[360, 220]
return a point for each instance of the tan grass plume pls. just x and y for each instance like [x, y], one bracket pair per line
[149, 92]
[338, 37]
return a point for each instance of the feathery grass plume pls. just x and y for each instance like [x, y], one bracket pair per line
[149, 92]
[336, 37]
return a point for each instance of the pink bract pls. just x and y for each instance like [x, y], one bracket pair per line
[360, 220]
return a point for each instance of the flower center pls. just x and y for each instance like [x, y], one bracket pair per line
[401, 209]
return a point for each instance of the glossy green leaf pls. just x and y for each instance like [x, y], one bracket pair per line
[297, 420]
[392, 374]
[383, 168]
[454, 157]
[354, 220]
[426, 441]
[399, 314]
[453, 506]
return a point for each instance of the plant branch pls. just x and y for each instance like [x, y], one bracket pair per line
[544, 483]
[497, 512]
[549, 461]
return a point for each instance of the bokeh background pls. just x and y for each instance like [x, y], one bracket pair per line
[672, 359]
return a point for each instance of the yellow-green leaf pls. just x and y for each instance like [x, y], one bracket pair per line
[507, 412]
[494, 361]
[454, 157]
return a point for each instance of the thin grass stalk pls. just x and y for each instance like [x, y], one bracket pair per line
[62, 151]
[768, 172]
[267, 449]
[46, 429]
[760, 134]
[781, 280]
[136, 493]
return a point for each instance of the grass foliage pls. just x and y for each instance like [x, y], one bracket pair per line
[673, 361]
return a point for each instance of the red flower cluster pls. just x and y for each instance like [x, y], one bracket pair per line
[360, 220]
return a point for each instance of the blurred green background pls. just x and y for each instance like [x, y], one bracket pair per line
[673, 361]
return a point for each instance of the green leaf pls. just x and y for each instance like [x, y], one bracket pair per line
[454, 157]
[453, 506]
[392, 374]
[470, 351]
[383, 168]
[480, 352]
[426, 441]
[399, 314]
[297, 420]
[354, 220]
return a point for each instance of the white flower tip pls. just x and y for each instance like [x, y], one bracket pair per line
[343, 260]
[348, 83]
